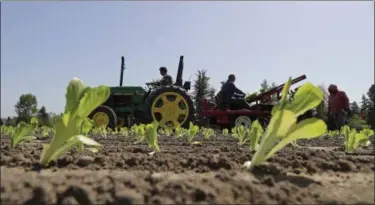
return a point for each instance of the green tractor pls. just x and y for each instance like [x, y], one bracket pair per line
[170, 105]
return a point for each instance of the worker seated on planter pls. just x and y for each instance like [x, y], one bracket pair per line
[230, 96]
[338, 108]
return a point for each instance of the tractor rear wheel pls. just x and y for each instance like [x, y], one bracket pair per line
[104, 115]
[170, 106]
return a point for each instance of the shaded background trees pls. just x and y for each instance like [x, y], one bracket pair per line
[26, 107]
[202, 89]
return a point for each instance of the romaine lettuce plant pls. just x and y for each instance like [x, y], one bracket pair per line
[283, 128]
[81, 100]
[152, 136]
[355, 139]
[225, 132]
[240, 133]
[21, 133]
[255, 132]
[193, 130]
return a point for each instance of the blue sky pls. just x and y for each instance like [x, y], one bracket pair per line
[46, 44]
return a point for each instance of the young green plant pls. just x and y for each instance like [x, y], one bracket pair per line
[81, 100]
[255, 132]
[355, 139]
[22, 133]
[240, 133]
[152, 136]
[193, 130]
[283, 127]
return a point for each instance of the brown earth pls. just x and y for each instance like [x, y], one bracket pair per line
[317, 172]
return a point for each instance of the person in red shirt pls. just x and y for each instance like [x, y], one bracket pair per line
[338, 108]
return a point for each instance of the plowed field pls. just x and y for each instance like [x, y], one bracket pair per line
[123, 173]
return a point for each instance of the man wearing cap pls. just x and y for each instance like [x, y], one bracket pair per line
[338, 108]
[225, 97]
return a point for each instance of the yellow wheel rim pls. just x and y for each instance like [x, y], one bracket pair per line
[100, 118]
[170, 109]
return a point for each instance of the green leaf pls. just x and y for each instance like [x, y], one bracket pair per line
[280, 124]
[70, 144]
[255, 132]
[73, 95]
[86, 126]
[360, 139]
[306, 98]
[306, 129]
[88, 141]
[20, 132]
[91, 99]
[64, 129]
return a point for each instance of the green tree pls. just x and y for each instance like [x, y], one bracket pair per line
[26, 107]
[44, 117]
[354, 108]
[371, 106]
[365, 105]
[264, 86]
[1, 121]
[202, 90]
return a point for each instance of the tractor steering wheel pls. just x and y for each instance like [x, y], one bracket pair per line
[151, 85]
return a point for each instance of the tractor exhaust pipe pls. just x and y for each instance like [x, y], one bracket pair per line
[180, 71]
[122, 70]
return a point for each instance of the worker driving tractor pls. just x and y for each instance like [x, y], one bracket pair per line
[230, 96]
[166, 79]
[338, 108]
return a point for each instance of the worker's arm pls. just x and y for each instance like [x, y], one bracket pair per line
[236, 90]
[166, 80]
[345, 101]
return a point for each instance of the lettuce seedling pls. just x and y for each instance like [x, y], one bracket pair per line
[193, 130]
[240, 133]
[44, 131]
[34, 121]
[81, 100]
[7, 130]
[152, 136]
[207, 132]
[255, 132]
[354, 139]
[225, 132]
[178, 131]
[168, 131]
[140, 133]
[21, 133]
[283, 128]
[124, 131]
[85, 128]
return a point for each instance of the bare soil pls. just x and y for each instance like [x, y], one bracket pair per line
[316, 172]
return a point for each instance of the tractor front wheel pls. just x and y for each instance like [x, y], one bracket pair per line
[104, 115]
[170, 106]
